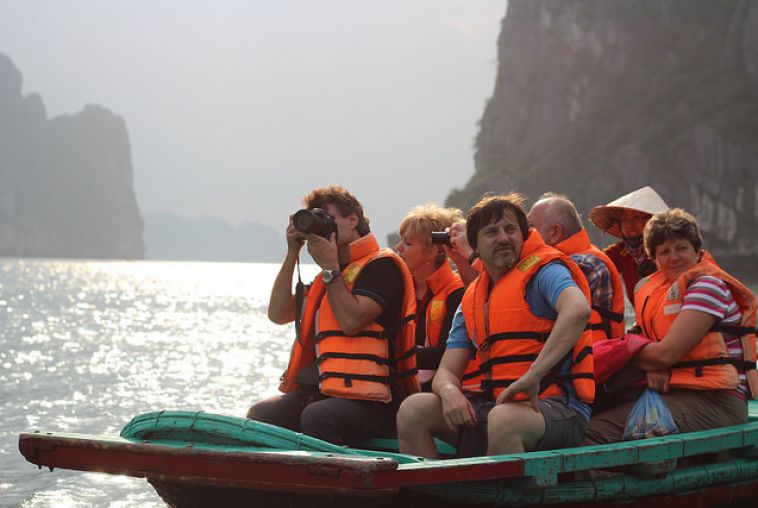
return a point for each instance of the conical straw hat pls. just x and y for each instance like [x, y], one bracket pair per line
[608, 217]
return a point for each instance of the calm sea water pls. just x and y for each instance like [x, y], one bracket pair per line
[85, 346]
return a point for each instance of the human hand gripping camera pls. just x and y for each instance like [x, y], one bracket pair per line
[320, 230]
[458, 250]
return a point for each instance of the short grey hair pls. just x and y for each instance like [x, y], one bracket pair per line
[561, 210]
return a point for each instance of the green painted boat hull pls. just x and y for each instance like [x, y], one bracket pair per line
[201, 459]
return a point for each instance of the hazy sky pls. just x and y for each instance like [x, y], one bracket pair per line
[236, 108]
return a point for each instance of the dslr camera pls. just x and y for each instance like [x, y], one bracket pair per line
[315, 221]
[441, 238]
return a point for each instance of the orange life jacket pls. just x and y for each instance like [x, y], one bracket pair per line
[509, 336]
[604, 323]
[362, 366]
[707, 365]
[441, 283]
[471, 381]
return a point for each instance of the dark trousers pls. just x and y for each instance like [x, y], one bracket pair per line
[339, 421]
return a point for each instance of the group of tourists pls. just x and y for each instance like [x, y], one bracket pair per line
[485, 339]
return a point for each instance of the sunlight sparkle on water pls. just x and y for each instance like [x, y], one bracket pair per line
[91, 344]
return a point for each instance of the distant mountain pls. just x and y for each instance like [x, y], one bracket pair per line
[595, 98]
[66, 183]
[169, 236]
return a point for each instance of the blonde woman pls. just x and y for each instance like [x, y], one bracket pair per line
[438, 288]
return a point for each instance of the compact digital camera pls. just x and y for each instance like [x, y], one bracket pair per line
[441, 237]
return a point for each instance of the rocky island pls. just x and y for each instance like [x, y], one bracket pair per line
[66, 183]
[595, 98]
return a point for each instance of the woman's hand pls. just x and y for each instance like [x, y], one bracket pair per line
[459, 250]
[658, 380]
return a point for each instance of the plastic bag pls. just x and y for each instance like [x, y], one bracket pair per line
[650, 417]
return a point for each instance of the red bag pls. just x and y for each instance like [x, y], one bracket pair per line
[612, 355]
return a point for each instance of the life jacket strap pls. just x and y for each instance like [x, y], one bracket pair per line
[490, 384]
[405, 373]
[500, 360]
[740, 364]
[561, 378]
[737, 331]
[339, 333]
[390, 331]
[608, 314]
[525, 335]
[411, 352]
[584, 353]
[350, 377]
[353, 356]
[471, 375]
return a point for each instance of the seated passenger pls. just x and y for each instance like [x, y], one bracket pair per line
[625, 218]
[702, 358]
[438, 288]
[526, 316]
[352, 359]
[557, 220]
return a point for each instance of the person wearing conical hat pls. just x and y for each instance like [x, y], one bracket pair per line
[625, 218]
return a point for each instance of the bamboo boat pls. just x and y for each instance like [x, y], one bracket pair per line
[197, 459]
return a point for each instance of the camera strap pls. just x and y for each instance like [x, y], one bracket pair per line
[299, 296]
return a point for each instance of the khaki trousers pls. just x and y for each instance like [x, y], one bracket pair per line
[692, 410]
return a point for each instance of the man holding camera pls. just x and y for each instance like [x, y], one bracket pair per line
[353, 358]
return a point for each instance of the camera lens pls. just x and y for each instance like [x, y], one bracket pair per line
[303, 220]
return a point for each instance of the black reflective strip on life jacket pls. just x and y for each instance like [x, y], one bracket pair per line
[583, 353]
[500, 360]
[339, 333]
[740, 364]
[405, 356]
[560, 378]
[353, 356]
[491, 384]
[371, 334]
[609, 314]
[737, 331]
[390, 331]
[404, 373]
[350, 377]
[470, 375]
[496, 337]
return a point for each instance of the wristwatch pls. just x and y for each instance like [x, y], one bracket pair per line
[329, 275]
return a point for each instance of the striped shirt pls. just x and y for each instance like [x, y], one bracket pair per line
[712, 295]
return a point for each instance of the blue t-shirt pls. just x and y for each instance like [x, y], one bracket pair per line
[542, 293]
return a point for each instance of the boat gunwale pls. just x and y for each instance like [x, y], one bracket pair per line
[371, 472]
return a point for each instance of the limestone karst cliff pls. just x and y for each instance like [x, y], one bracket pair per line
[66, 183]
[595, 98]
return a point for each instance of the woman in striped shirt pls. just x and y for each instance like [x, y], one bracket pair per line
[701, 321]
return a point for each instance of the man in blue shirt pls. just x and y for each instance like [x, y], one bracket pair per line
[513, 414]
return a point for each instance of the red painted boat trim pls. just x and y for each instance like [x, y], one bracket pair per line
[292, 471]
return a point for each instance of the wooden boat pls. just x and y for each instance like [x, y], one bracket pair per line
[201, 459]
